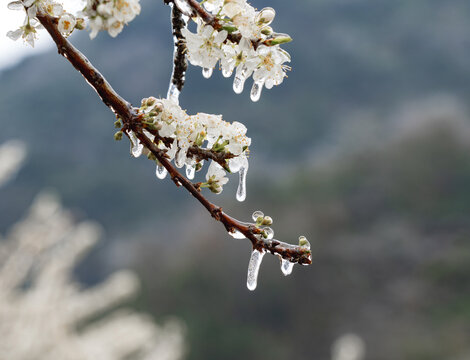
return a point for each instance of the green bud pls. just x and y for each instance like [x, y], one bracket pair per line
[198, 166]
[267, 30]
[267, 221]
[278, 39]
[229, 28]
[151, 156]
[118, 123]
[118, 135]
[304, 242]
[80, 24]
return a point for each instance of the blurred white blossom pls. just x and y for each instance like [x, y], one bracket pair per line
[45, 314]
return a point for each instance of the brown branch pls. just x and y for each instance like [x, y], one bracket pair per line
[179, 58]
[132, 121]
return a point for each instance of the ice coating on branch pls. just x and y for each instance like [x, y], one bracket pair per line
[236, 234]
[286, 267]
[136, 146]
[241, 191]
[160, 171]
[253, 269]
[173, 93]
[184, 7]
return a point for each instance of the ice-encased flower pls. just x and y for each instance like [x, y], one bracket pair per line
[66, 24]
[204, 48]
[216, 177]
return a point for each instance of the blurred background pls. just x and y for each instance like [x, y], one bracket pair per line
[365, 149]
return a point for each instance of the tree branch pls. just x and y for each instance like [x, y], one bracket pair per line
[132, 121]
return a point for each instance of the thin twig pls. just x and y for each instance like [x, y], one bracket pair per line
[179, 57]
[132, 121]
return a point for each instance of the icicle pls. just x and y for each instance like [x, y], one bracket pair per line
[180, 158]
[136, 146]
[207, 72]
[190, 170]
[161, 172]
[241, 191]
[255, 93]
[253, 269]
[236, 234]
[227, 72]
[286, 267]
[238, 83]
[173, 93]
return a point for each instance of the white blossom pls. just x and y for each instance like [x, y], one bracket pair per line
[216, 177]
[66, 24]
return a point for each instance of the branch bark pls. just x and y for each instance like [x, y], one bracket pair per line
[132, 121]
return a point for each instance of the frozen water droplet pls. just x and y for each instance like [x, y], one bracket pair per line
[255, 93]
[241, 191]
[265, 16]
[269, 232]
[253, 269]
[257, 214]
[207, 72]
[227, 72]
[190, 170]
[136, 146]
[236, 234]
[160, 172]
[286, 267]
[180, 158]
[173, 93]
[238, 84]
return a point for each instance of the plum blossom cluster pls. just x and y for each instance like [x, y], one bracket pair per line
[188, 139]
[66, 21]
[241, 40]
[110, 15]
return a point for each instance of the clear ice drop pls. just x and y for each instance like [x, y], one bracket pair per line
[238, 83]
[136, 146]
[257, 214]
[190, 170]
[207, 72]
[161, 172]
[255, 93]
[253, 269]
[286, 267]
[236, 234]
[227, 72]
[269, 232]
[241, 191]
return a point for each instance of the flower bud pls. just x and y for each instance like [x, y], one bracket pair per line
[118, 123]
[278, 39]
[118, 135]
[304, 242]
[265, 16]
[80, 24]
